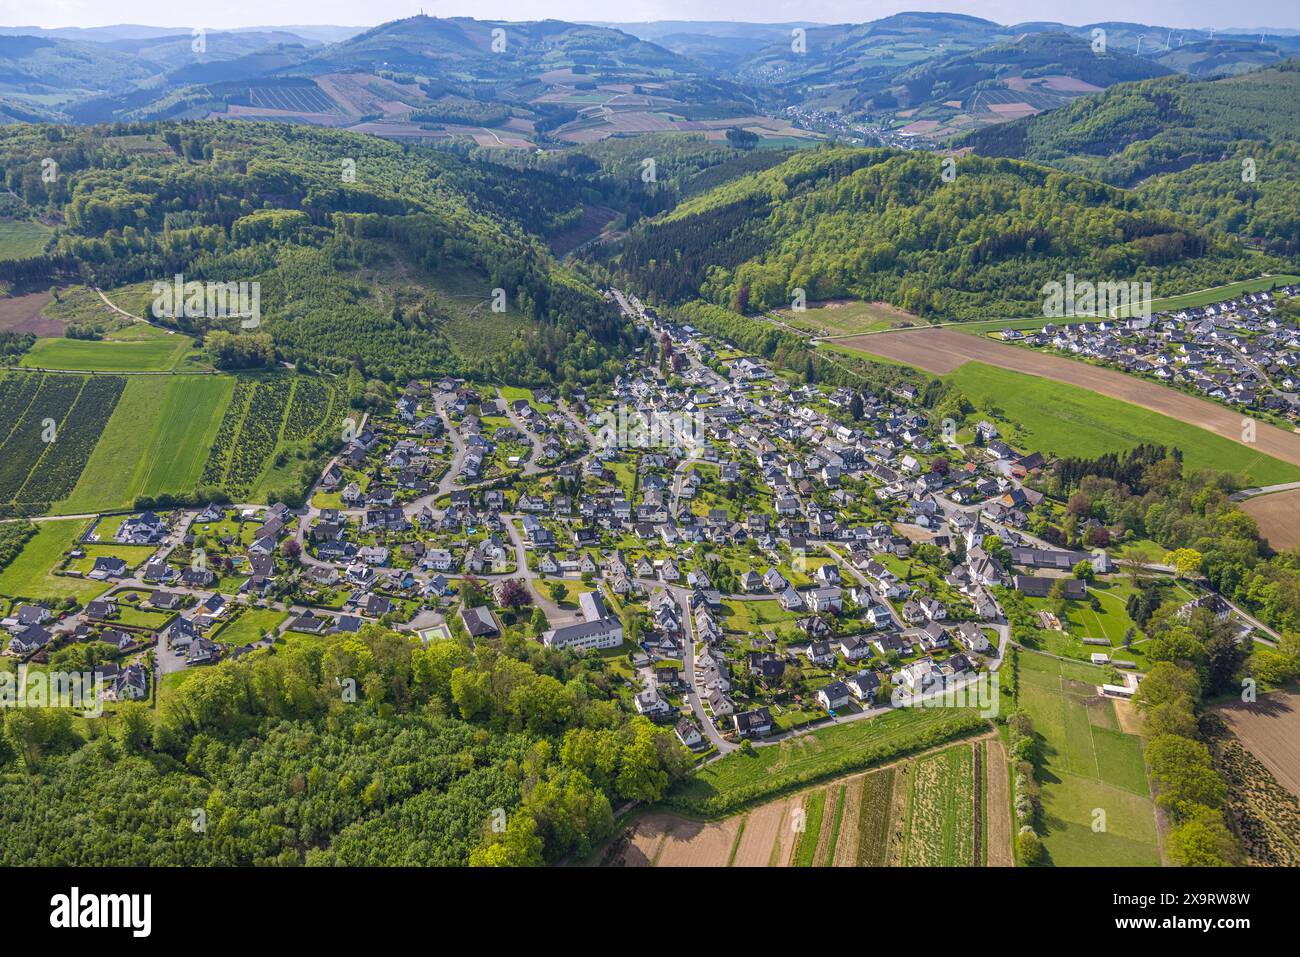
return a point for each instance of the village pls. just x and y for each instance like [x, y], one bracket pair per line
[750, 556]
[1238, 352]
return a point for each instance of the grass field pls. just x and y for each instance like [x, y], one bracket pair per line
[1096, 801]
[1053, 417]
[156, 441]
[21, 239]
[150, 354]
[847, 317]
[133, 555]
[29, 575]
[1220, 293]
[1165, 304]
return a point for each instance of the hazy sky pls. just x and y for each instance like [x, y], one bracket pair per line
[237, 13]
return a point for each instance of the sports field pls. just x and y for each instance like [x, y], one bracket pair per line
[846, 317]
[156, 441]
[1096, 800]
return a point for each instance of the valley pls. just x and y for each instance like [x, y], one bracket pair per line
[502, 443]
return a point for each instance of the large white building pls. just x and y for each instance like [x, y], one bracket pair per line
[598, 629]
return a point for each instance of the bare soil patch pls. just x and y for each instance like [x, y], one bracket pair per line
[998, 794]
[692, 844]
[1127, 716]
[1278, 518]
[23, 314]
[846, 848]
[760, 835]
[940, 351]
[1270, 729]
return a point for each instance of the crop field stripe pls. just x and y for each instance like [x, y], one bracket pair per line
[874, 817]
[239, 431]
[38, 378]
[836, 821]
[18, 496]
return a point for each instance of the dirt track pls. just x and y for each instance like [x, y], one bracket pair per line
[940, 351]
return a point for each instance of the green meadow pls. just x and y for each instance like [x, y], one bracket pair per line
[133, 351]
[30, 574]
[1053, 417]
[21, 239]
[156, 441]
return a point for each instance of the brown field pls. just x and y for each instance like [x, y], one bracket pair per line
[23, 314]
[1278, 518]
[940, 351]
[1270, 729]
[761, 828]
[998, 806]
[691, 844]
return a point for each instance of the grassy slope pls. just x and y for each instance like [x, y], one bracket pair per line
[156, 441]
[29, 574]
[1067, 420]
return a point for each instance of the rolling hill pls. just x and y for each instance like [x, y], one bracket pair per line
[1221, 149]
[885, 225]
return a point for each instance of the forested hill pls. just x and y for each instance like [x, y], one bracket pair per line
[881, 224]
[368, 253]
[1185, 141]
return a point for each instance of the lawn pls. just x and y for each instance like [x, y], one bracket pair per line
[156, 441]
[127, 355]
[573, 587]
[250, 626]
[512, 393]
[29, 575]
[1053, 417]
[133, 555]
[1092, 771]
[754, 616]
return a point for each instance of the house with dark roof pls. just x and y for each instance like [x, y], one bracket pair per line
[753, 724]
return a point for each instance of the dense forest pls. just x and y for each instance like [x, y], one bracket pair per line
[366, 250]
[888, 225]
[364, 749]
[1223, 150]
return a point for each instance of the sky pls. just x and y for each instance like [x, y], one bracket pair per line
[243, 13]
